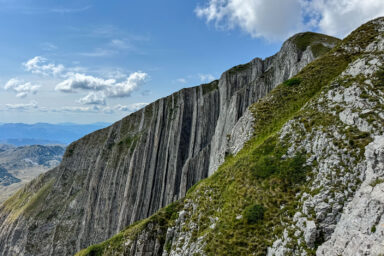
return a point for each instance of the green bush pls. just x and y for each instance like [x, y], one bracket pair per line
[293, 81]
[266, 166]
[379, 81]
[292, 170]
[254, 214]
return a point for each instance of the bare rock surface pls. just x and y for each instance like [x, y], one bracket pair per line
[126, 172]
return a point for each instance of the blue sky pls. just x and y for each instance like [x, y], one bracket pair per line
[87, 61]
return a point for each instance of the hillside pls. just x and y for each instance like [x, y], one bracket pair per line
[126, 172]
[309, 181]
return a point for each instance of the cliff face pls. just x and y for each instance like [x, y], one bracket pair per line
[309, 180]
[126, 172]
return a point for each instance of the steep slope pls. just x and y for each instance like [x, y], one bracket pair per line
[20, 165]
[126, 172]
[310, 180]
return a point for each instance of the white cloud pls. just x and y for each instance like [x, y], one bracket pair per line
[94, 98]
[125, 88]
[85, 82]
[22, 107]
[276, 19]
[20, 87]
[100, 88]
[106, 88]
[340, 17]
[39, 65]
[137, 106]
[206, 77]
[272, 19]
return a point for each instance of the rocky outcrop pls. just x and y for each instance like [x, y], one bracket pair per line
[253, 81]
[309, 180]
[126, 172]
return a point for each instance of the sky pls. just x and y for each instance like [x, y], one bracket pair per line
[86, 61]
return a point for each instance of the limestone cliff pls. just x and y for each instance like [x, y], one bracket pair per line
[309, 180]
[126, 172]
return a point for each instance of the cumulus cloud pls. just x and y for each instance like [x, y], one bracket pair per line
[39, 65]
[99, 88]
[20, 87]
[22, 107]
[272, 19]
[340, 17]
[126, 87]
[105, 88]
[276, 19]
[85, 82]
[93, 98]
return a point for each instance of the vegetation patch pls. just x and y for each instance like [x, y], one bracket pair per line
[117, 245]
[261, 175]
[240, 68]
[379, 75]
[207, 88]
[292, 81]
[377, 181]
[303, 40]
[319, 49]
[26, 201]
[254, 214]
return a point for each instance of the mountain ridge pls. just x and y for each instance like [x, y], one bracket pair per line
[126, 172]
[313, 164]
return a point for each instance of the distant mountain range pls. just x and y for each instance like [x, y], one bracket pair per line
[20, 134]
[19, 165]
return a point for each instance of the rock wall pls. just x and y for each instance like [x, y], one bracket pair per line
[334, 204]
[126, 172]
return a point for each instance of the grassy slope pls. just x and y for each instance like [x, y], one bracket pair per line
[249, 178]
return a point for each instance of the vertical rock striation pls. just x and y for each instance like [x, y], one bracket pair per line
[126, 172]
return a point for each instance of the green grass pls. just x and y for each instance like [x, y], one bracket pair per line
[254, 214]
[292, 82]
[158, 223]
[28, 201]
[239, 68]
[303, 40]
[377, 181]
[207, 88]
[259, 176]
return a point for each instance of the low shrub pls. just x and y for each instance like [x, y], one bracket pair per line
[254, 214]
[292, 82]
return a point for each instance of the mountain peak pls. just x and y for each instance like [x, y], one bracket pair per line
[275, 156]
